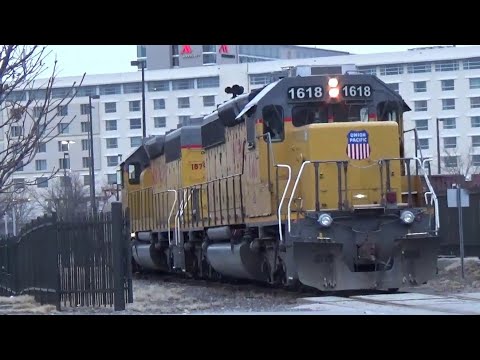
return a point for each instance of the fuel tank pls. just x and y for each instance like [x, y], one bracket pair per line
[237, 262]
[148, 257]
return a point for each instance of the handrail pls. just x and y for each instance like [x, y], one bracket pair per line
[283, 198]
[289, 220]
[171, 212]
[177, 220]
[431, 191]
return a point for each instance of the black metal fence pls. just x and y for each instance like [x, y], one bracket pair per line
[70, 262]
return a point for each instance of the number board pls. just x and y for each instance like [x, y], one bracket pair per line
[357, 91]
[305, 92]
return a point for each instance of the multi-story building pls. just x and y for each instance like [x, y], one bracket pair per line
[438, 83]
[180, 56]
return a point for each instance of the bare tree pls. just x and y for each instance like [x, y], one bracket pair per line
[463, 164]
[27, 122]
[18, 207]
[66, 197]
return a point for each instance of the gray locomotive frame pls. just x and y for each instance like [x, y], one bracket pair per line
[361, 249]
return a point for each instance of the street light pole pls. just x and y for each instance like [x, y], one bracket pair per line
[92, 163]
[119, 176]
[439, 165]
[142, 64]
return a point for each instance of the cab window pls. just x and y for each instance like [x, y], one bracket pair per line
[321, 113]
[273, 122]
[134, 173]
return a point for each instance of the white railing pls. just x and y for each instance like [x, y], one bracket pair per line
[170, 215]
[431, 192]
[283, 199]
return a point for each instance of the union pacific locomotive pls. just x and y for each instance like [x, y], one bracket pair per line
[301, 182]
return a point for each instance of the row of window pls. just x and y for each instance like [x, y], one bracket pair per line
[449, 142]
[446, 85]
[117, 89]
[42, 182]
[133, 106]
[422, 67]
[447, 104]
[64, 163]
[447, 123]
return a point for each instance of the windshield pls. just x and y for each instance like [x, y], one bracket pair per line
[318, 113]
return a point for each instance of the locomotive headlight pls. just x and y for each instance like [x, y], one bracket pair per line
[333, 82]
[407, 217]
[132, 234]
[333, 92]
[325, 220]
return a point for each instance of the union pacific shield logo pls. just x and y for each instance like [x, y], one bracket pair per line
[358, 147]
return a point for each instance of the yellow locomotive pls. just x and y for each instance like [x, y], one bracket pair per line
[303, 181]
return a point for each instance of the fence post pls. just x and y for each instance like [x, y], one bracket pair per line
[117, 252]
[128, 257]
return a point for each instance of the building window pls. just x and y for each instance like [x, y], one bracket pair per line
[209, 100]
[449, 123]
[84, 109]
[62, 147]
[18, 183]
[85, 145]
[208, 82]
[158, 104]
[110, 107]
[16, 96]
[368, 70]
[135, 141]
[471, 64]
[424, 144]
[475, 83]
[421, 125]
[154, 86]
[183, 103]
[85, 127]
[475, 160]
[448, 85]
[446, 66]
[419, 68]
[135, 123]
[175, 61]
[86, 180]
[19, 166]
[86, 162]
[448, 104]
[450, 143]
[476, 141]
[42, 182]
[111, 143]
[111, 89]
[475, 121]
[41, 147]
[184, 120]
[110, 125]
[260, 79]
[394, 87]
[421, 105]
[209, 59]
[396, 69]
[183, 84]
[16, 131]
[160, 121]
[62, 110]
[132, 88]
[450, 161]
[64, 163]
[87, 91]
[40, 165]
[112, 160]
[37, 111]
[134, 106]
[112, 179]
[63, 128]
[420, 86]
[475, 102]
[209, 48]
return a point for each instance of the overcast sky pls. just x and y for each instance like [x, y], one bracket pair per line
[101, 59]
